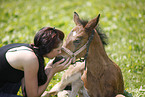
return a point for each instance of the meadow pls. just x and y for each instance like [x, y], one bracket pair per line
[123, 21]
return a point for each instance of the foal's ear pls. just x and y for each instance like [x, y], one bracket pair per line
[92, 23]
[77, 19]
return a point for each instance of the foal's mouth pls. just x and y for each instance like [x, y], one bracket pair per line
[58, 58]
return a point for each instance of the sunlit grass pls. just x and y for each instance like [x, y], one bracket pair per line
[122, 21]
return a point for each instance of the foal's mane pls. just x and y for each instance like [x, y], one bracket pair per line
[102, 36]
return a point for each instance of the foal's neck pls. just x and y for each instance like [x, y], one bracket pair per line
[97, 58]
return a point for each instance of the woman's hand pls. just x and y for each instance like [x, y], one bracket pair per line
[59, 66]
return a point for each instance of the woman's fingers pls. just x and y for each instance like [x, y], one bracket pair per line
[68, 63]
[60, 61]
[65, 61]
[57, 63]
[62, 65]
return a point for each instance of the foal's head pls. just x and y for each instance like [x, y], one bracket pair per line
[79, 36]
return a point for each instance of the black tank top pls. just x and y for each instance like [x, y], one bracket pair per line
[7, 72]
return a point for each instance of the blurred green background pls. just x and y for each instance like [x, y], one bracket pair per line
[123, 21]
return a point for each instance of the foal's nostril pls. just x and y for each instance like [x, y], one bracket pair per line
[58, 58]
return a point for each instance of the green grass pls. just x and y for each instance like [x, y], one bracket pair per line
[122, 20]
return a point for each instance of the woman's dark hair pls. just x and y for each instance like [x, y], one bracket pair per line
[47, 39]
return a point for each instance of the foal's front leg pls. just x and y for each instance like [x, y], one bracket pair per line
[76, 87]
[83, 92]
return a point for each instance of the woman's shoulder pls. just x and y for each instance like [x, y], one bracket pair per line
[21, 56]
[29, 59]
[27, 54]
[23, 51]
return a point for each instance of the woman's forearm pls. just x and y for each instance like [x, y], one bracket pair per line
[50, 74]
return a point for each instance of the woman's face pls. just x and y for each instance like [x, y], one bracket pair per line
[54, 52]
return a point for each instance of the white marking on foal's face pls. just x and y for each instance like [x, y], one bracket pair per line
[74, 33]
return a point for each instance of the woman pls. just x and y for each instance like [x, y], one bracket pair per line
[26, 61]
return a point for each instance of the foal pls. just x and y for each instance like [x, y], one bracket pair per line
[102, 77]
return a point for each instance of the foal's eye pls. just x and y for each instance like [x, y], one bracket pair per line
[77, 41]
